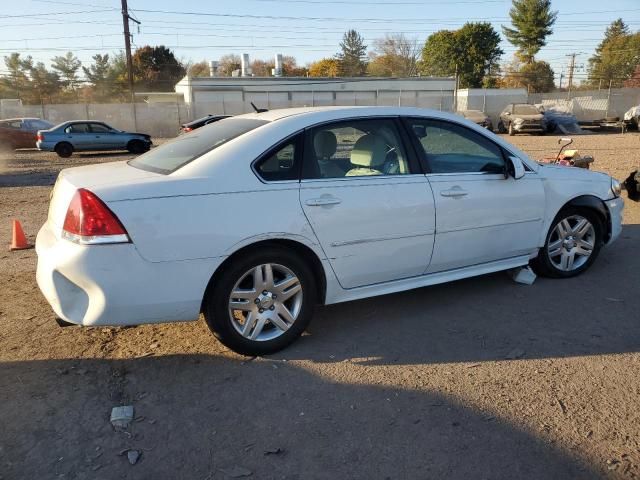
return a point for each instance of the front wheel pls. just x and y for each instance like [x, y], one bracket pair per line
[573, 243]
[261, 302]
[137, 147]
[512, 131]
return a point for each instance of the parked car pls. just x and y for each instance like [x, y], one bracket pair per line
[21, 132]
[478, 117]
[255, 219]
[201, 122]
[88, 135]
[522, 118]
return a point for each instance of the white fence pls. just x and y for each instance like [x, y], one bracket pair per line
[164, 119]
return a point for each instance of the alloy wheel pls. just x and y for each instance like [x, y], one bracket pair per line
[265, 302]
[571, 243]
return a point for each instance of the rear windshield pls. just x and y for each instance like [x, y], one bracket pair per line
[525, 110]
[172, 155]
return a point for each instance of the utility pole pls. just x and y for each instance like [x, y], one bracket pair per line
[127, 44]
[572, 65]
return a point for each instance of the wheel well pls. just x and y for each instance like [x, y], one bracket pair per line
[597, 205]
[62, 143]
[302, 250]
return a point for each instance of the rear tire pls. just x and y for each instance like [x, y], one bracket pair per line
[573, 243]
[270, 313]
[64, 150]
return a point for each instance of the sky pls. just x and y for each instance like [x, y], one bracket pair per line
[306, 29]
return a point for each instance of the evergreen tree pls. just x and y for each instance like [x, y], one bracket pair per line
[352, 55]
[67, 67]
[532, 21]
[616, 57]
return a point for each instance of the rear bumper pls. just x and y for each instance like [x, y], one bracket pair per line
[113, 285]
[615, 207]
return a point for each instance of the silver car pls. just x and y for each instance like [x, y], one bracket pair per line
[87, 135]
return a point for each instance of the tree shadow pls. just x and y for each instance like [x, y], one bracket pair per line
[199, 415]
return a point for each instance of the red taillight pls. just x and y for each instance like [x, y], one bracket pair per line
[40, 137]
[186, 129]
[90, 221]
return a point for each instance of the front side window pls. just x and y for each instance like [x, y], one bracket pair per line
[99, 128]
[355, 148]
[169, 157]
[280, 164]
[452, 148]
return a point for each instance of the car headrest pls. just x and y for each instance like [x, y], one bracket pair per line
[369, 151]
[325, 144]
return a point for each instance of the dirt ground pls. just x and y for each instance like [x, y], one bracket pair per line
[482, 378]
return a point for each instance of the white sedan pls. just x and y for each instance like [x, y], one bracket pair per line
[255, 219]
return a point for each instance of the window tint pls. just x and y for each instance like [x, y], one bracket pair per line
[14, 124]
[99, 128]
[451, 148]
[172, 155]
[280, 164]
[77, 128]
[355, 148]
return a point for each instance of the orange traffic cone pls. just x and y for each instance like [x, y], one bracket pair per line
[18, 240]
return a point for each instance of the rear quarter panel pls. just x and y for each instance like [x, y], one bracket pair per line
[187, 227]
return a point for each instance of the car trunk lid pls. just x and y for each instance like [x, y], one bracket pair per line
[91, 177]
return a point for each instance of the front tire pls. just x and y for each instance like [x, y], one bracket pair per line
[572, 245]
[137, 147]
[261, 302]
[512, 131]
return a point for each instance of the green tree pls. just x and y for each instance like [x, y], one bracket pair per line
[473, 52]
[46, 84]
[616, 56]
[532, 21]
[393, 56]
[67, 67]
[16, 83]
[536, 77]
[352, 55]
[99, 74]
[156, 68]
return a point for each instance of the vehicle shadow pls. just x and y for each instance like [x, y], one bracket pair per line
[488, 318]
[208, 417]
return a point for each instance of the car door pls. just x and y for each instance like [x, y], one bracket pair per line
[481, 215]
[80, 136]
[367, 201]
[105, 137]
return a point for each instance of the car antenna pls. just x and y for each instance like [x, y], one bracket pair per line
[258, 110]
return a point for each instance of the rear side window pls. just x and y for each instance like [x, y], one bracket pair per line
[77, 128]
[282, 162]
[172, 155]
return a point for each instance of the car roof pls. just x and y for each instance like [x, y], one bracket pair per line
[311, 114]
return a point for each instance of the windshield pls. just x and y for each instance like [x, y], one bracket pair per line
[525, 110]
[171, 156]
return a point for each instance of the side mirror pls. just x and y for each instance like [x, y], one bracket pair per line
[515, 167]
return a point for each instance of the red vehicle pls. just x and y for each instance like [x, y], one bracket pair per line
[21, 132]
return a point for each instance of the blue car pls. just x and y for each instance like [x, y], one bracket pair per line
[87, 135]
